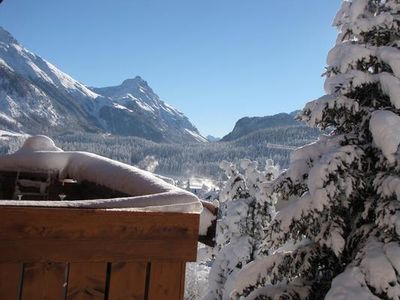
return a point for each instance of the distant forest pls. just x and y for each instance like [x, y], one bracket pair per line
[186, 160]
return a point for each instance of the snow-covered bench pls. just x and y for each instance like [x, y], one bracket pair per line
[134, 246]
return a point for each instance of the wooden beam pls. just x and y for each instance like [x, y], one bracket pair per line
[209, 238]
[19, 223]
[94, 235]
[96, 250]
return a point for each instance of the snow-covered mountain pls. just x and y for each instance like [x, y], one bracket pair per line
[36, 97]
[136, 97]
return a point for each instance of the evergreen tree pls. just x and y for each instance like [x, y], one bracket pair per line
[246, 212]
[344, 217]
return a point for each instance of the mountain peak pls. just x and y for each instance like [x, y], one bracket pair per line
[134, 86]
[6, 37]
[134, 82]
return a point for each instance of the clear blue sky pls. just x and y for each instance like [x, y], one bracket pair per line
[215, 60]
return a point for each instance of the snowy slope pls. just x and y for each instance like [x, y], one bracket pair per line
[36, 97]
[135, 95]
[29, 65]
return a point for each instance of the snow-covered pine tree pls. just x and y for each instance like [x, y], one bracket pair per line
[346, 186]
[246, 212]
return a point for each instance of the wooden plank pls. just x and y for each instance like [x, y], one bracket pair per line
[167, 280]
[44, 281]
[128, 281]
[87, 281]
[183, 277]
[10, 276]
[76, 235]
[55, 223]
[97, 250]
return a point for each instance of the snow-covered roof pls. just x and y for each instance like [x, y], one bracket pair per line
[148, 193]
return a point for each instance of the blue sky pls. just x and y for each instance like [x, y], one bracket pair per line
[215, 60]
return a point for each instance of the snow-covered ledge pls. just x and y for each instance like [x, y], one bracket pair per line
[148, 193]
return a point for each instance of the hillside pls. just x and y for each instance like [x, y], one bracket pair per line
[249, 125]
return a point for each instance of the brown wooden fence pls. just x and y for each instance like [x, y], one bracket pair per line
[53, 253]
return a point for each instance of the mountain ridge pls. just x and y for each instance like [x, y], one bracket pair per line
[248, 125]
[40, 98]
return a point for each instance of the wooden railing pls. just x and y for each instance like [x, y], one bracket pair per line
[53, 253]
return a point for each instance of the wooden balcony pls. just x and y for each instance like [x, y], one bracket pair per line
[59, 253]
[75, 226]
